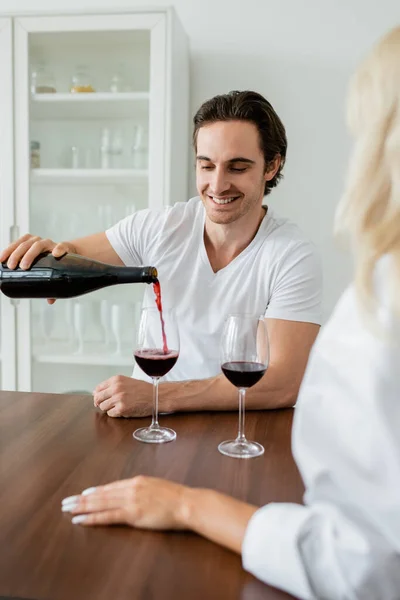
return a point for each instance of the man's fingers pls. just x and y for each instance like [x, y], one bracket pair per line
[19, 253]
[106, 405]
[38, 246]
[115, 411]
[59, 250]
[99, 397]
[6, 253]
[101, 386]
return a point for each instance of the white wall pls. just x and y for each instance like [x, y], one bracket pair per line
[299, 54]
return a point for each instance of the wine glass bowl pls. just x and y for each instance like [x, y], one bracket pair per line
[156, 353]
[154, 362]
[244, 361]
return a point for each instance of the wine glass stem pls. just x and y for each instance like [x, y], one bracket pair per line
[242, 394]
[154, 420]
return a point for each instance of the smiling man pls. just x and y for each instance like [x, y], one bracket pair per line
[225, 251]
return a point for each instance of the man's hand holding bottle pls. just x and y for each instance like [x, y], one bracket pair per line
[23, 252]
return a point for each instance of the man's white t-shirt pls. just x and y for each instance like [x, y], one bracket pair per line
[278, 275]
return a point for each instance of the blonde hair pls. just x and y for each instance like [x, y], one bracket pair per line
[370, 207]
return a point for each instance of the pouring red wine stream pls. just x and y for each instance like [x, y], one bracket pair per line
[157, 291]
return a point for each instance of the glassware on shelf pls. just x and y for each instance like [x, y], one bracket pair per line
[111, 148]
[117, 146]
[105, 148]
[81, 81]
[105, 312]
[80, 319]
[119, 81]
[34, 154]
[130, 210]
[118, 326]
[138, 148]
[106, 217]
[122, 316]
[42, 80]
[69, 322]
[78, 157]
[75, 157]
[47, 317]
[244, 360]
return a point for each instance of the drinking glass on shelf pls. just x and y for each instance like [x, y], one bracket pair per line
[156, 352]
[130, 210]
[42, 80]
[117, 147]
[117, 326]
[105, 214]
[69, 321]
[105, 311]
[80, 314]
[81, 81]
[244, 360]
[47, 322]
[120, 80]
[138, 148]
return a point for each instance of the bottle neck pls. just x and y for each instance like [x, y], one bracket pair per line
[136, 274]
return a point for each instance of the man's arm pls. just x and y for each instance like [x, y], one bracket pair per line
[290, 345]
[24, 250]
[97, 247]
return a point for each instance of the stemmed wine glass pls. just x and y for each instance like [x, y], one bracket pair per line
[156, 352]
[244, 360]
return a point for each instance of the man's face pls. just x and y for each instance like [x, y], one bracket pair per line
[230, 170]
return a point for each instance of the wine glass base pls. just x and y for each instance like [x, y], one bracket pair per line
[154, 435]
[243, 449]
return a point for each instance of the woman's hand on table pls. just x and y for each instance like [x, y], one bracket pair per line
[152, 503]
[143, 502]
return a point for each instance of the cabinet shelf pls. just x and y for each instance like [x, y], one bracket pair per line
[91, 356]
[95, 105]
[89, 176]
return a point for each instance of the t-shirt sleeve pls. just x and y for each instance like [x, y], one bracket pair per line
[132, 237]
[297, 287]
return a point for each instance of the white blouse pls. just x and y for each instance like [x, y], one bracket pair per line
[345, 542]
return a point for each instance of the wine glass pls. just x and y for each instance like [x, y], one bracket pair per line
[156, 352]
[244, 360]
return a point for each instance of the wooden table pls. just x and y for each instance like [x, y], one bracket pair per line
[53, 446]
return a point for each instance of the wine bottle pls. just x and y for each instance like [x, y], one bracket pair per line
[69, 276]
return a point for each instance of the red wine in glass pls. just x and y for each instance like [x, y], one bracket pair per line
[155, 362]
[243, 374]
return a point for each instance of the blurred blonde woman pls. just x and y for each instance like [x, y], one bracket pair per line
[345, 541]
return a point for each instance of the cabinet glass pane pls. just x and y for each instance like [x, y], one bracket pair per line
[88, 136]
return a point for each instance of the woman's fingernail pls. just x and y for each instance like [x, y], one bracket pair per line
[79, 519]
[69, 499]
[88, 491]
[69, 507]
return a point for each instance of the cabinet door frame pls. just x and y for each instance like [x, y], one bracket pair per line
[154, 22]
[7, 207]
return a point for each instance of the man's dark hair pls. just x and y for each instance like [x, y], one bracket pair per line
[252, 107]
